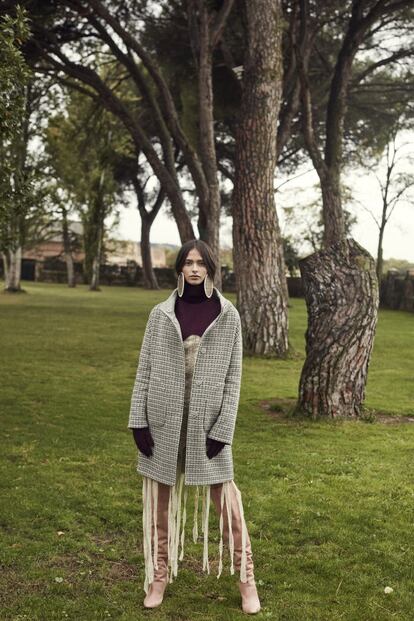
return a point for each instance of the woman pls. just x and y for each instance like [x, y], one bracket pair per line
[183, 413]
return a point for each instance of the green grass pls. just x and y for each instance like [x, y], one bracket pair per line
[329, 505]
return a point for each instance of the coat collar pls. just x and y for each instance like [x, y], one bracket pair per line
[169, 304]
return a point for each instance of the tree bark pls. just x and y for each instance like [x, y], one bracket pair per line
[258, 250]
[341, 292]
[332, 212]
[12, 262]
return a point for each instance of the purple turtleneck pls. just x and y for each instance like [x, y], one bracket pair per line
[194, 310]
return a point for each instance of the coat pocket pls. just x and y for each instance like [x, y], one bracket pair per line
[156, 402]
[212, 405]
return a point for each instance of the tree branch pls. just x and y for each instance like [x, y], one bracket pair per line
[112, 103]
[170, 111]
[220, 22]
[307, 114]
[136, 74]
[381, 63]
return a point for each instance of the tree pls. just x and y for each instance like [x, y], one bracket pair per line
[95, 23]
[340, 283]
[395, 184]
[81, 145]
[206, 29]
[140, 176]
[15, 110]
[113, 29]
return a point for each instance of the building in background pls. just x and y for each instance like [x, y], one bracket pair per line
[121, 252]
[46, 260]
[52, 248]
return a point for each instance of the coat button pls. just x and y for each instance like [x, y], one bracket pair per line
[199, 382]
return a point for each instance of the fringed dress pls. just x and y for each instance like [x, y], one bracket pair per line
[177, 509]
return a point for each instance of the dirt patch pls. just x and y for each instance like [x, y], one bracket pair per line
[283, 410]
[121, 570]
[278, 408]
[13, 588]
[101, 540]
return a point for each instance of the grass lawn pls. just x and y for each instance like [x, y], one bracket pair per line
[329, 505]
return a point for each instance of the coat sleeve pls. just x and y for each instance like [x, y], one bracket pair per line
[138, 409]
[223, 428]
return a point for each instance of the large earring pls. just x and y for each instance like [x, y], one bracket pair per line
[208, 286]
[180, 284]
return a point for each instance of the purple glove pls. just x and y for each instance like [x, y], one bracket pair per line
[214, 447]
[143, 440]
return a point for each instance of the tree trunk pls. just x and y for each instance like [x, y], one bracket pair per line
[70, 269]
[380, 261]
[150, 280]
[12, 261]
[93, 224]
[258, 250]
[209, 202]
[68, 251]
[333, 215]
[88, 245]
[147, 219]
[96, 263]
[341, 292]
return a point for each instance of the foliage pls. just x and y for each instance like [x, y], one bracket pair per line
[81, 144]
[291, 256]
[304, 221]
[15, 183]
[14, 72]
[398, 264]
[380, 85]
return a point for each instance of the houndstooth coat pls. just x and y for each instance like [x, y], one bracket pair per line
[158, 394]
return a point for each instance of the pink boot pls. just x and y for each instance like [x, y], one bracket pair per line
[248, 590]
[156, 588]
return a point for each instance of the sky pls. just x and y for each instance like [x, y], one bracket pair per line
[399, 233]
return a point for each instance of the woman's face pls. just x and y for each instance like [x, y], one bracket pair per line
[194, 268]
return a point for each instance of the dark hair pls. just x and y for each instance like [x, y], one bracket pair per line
[205, 251]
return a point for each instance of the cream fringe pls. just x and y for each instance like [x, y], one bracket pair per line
[175, 511]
